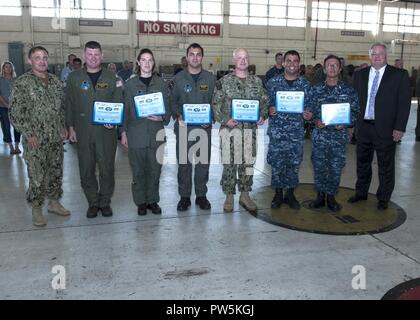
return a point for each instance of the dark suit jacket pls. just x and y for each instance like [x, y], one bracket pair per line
[392, 101]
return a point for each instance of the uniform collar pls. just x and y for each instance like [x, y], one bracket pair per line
[152, 80]
[297, 80]
[101, 70]
[49, 77]
[191, 76]
[338, 85]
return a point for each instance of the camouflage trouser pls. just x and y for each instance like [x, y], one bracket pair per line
[328, 160]
[285, 157]
[45, 172]
[238, 164]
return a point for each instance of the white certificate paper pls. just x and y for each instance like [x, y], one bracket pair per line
[196, 114]
[108, 113]
[336, 114]
[245, 110]
[150, 104]
[290, 101]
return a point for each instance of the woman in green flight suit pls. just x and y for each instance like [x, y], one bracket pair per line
[146, 113]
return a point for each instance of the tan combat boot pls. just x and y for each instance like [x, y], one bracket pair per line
[246, 202]
[38, 219]
[228, 206]
[55, 207]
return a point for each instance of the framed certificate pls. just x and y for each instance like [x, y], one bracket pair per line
[150, 104]
[196, 114]
[245, 110]
[336, 114]
[290, 101]
[107, 113]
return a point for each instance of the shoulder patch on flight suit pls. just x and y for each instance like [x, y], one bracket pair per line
[204, 87]
[102, 85]
[218, 85]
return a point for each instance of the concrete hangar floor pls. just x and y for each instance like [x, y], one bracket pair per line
[359, 253]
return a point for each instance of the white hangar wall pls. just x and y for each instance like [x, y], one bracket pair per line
[122, 41]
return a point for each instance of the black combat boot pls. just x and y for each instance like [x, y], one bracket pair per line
[332, 204]
[203, 203]
[278, 199]
[319, 202]
[154, 206]
[290, 199]
[142, 209]
[183, 204]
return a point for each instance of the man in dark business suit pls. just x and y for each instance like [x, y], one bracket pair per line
[384, 95]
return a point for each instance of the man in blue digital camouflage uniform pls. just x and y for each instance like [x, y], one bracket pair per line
[286, 131]
[277, 69]
[329, 141]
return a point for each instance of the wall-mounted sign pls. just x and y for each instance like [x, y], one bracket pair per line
[96, 23]
[352, 33]
[357, 57]
[190, 29]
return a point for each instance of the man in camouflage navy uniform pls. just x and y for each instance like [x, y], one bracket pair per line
[193, 85]
[96, 144]
[329, 142]
[239, 85]
[286, 132]
[36, 110]
[277, 69]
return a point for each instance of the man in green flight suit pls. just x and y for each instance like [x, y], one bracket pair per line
[36, 110]
[96, 144]
[193, 85]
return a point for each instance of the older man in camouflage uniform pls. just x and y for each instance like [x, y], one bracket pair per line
[329, 142]
[239, 85]
[286, 132]
[36, 110]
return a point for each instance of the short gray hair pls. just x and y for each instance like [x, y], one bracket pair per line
[235, 52]
[377, 44]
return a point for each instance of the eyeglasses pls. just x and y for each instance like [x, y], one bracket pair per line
[38, 59]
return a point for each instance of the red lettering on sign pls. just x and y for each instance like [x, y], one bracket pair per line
[192, 29]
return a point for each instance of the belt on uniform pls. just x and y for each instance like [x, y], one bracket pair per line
[369, 121]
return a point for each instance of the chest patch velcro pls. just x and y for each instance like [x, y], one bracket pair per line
[102, 85]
